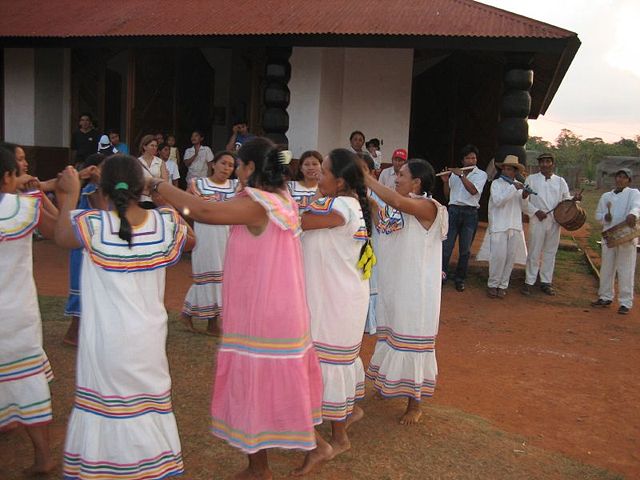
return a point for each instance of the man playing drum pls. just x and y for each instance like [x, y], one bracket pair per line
[544, 231]
[619, 205]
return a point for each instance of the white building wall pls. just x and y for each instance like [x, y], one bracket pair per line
[377, 95]
[37, 96]
[358, 89]
[304, 112]
[19, 95]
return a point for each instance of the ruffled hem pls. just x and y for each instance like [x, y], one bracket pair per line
[20, 215]
[403, 374]
[203, 301]
[281, 208]
[343, 386]
[144, 447]
[157, 244]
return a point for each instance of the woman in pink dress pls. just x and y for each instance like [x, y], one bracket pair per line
[268, 385]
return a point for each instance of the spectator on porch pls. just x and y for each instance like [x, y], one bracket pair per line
[84, 141]
[239, 135]
[114, 138]
[389, 175]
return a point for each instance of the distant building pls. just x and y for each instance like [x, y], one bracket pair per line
[608, 166]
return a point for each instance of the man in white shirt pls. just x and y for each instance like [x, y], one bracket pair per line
[389, 175]
[544, 231]
[506, 203]
[617, 206]
[198, 157]
[464, 188]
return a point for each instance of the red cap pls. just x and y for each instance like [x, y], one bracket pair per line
[400, 153]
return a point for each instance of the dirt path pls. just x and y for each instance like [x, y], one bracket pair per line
[552, 370]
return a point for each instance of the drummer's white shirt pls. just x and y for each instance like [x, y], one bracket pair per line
[549, 192]
[622, 204]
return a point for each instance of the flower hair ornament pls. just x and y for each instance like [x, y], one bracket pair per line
[285, 157]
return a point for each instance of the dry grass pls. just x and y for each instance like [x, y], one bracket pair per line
[449, 444]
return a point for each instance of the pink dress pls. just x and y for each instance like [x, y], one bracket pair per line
[268, 385]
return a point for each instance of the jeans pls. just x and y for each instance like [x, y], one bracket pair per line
[463, 223]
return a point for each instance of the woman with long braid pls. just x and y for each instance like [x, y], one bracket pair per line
[337, 232]
[122, 423]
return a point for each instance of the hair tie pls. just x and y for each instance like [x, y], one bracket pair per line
[122, 186]
[284, 157]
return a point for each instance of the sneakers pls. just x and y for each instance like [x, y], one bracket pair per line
[492, 292]
[502, 292]
[623, 310]
[460, 286]
[548, 289]
[526, 290]
[601, 303]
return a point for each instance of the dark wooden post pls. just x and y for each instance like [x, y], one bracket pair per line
[275, 119]
[513, 129]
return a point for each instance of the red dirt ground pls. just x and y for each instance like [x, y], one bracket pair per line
[553, 370]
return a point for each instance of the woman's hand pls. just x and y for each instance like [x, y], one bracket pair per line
[68, 182]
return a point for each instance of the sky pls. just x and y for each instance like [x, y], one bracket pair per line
[600, 94]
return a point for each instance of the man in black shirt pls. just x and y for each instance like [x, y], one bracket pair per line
[84, 141]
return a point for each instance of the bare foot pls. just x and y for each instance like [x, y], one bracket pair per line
[213, 329]
[355, 416]
[412, 414]
[322, 453]
[71, 337]
[41, 468]
[250, 474]
[339, 447]
[187, 322]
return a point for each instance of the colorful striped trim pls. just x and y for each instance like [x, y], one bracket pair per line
[266, 347]
[406, 343]
[156, 251]
[389, 220]
[322, 206]
[207, 277]
[167, 464]
[114, 406]
[24, 218]
[201, 311]
[361, 234]
[25, 367]
[30, 414]
[301, 195]
[339, 411]
[207, 190]
[336, 354]
[400, 388]
[251, 443]
[281, 209]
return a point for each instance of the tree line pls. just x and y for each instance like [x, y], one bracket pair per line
[572, 152]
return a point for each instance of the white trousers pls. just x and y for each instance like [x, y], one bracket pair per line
[544, 238]
[502, 256]
[620, 260]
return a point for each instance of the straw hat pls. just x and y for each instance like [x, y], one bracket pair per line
[511, 160]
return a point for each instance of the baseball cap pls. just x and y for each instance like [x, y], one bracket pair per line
[400, 153]
[104, 142]
[626, 171]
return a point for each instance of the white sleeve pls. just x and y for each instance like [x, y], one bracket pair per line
[635, 203]
[601, 209]
[501, 193]
[208, 155]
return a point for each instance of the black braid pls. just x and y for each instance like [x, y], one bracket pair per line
[269, 173]
[122, 169]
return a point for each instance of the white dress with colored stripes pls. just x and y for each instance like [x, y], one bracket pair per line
[301, 194]
[204, 298]
[24, 368]
[408, 309]
[338, 299]
[122, 424]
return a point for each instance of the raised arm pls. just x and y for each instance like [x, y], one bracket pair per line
[67, 192]
[423, 211]
[237, 211]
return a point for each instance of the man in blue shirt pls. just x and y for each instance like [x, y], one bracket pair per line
[240, 134]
